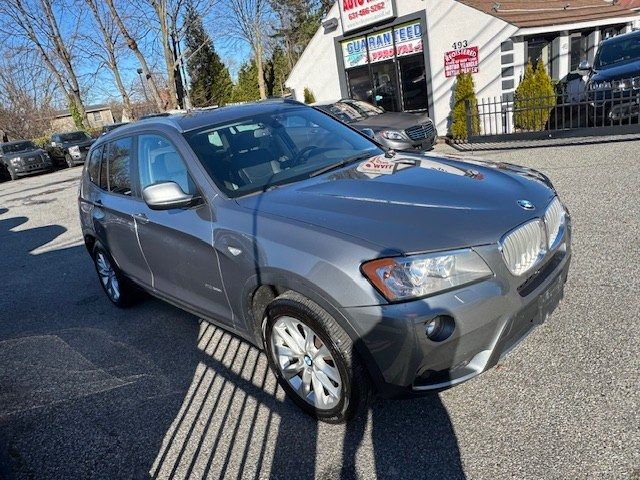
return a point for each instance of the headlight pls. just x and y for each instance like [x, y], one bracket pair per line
[16, 161]
[393, 135]
[402, 278]
[554, 220]
[75, 151]
[601, 85]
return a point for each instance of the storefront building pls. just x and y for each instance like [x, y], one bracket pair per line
[404, 55]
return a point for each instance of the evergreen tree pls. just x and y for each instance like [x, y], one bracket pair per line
[276, 71]
[534, 98]
[465, 91]
[247, 89]
[210, 79]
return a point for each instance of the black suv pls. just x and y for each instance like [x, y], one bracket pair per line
[22, 158]
[70, 148]
[613, 84]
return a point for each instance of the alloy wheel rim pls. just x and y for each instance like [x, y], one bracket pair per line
[107, 276]
[306, 363]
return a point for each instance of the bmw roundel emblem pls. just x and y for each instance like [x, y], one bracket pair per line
[526, 204]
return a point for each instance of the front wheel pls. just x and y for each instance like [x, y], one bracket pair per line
[12, 174]
[69, 160]
[314, 359]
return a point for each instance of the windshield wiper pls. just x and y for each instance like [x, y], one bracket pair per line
[342, 163]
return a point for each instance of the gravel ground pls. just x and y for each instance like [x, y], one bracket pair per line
[90, 391]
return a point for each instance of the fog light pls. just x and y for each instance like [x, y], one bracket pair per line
[440, 328]
[433, 326]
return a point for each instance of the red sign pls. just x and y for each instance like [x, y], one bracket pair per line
[460, 61]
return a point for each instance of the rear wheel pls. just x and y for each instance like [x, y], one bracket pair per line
[314, 360]
[120, 290]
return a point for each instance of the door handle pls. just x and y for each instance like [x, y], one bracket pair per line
[141, 217]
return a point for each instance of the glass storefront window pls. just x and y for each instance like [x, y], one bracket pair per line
[387, 68]
[414, 82]
[360, 84]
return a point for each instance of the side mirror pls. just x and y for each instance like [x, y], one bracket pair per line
[167, 195]
[369, 133]
[584, 66]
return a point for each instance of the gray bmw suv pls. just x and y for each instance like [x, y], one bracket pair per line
[357, 269]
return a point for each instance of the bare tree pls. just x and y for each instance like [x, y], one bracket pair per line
[250, 22]
[107, 49]
[36, 23]
[27, 92]
[133, 46]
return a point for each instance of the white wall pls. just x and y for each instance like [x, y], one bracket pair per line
[449, 21]
[317, 69]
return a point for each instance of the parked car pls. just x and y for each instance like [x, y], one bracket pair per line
[614, 80]
[108, 128]
[396, 130]
[21, 158]
[356, 269]
[70, 148]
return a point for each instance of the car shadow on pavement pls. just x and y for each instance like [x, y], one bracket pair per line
[91, 391]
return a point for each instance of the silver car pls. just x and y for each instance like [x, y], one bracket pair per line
[357, 270]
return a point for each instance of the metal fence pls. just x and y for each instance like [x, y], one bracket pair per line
[614, 109]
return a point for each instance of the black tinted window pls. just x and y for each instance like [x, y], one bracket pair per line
[274, 148]
[119, 158]
[159, 161]
[93, 166]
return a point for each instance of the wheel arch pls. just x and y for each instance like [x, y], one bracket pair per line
[260, 290]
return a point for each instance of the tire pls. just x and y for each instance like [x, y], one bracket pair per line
[69, 161]
[12, 174]
[294, 311]
[125, 292]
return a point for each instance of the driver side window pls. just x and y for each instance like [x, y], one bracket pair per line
[159, 161]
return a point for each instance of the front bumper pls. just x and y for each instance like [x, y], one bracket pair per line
[409, 145]
[491, 317]
[22, 170]
[80, 159]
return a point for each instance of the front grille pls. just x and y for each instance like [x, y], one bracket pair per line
[554, 218]
[420, 132]
[525, 247]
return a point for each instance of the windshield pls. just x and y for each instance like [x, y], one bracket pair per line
[343, 111]
[74, 136]
[18, 147]
[365, 108]
[275, 148]
[618, 51]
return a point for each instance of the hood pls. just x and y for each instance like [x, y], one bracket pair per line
[24, 153]
[413, 203]
[79, 143]
[392, 120]
[617, 72]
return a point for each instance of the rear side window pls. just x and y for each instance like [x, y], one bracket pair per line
[93, 166]
[159, 161]
[118, 156]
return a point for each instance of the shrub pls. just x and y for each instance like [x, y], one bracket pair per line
[42, 142]
[535, 98]
[309, 97]
[464, 92]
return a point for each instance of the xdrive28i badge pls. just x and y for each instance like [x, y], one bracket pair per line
[526, 204]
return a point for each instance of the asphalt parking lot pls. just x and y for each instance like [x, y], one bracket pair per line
[90, 391]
